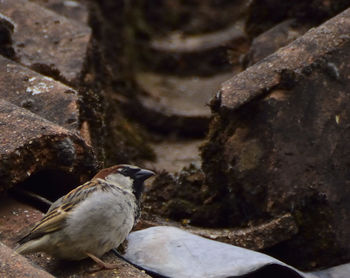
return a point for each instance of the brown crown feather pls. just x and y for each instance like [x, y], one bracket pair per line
[105, 172]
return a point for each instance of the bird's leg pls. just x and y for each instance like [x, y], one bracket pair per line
[102, 264]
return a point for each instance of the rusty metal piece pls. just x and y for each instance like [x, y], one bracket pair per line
[47, 42]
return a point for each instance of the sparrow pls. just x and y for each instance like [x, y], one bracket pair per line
[92, 218]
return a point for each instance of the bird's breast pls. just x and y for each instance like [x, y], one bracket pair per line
[101, 222]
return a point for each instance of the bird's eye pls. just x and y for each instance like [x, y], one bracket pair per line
[124, 171]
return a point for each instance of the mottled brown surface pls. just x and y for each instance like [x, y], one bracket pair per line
[257, 237]
[173, 155]
[39, 94]
[16, 219]
[46, 41]
[273, 39]
[279, 142]
[14, 265]
[300, 54]
[29, 143]
[73, 9]
[73, 269]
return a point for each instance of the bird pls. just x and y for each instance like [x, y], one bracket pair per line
[91, 219]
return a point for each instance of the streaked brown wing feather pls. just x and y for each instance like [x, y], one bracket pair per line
[56, 216]
[77, 194]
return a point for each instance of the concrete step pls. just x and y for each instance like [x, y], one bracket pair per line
[177, 104]
[174, 155]
[204, 54]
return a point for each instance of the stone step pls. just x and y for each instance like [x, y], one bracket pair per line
[174, 155]
[204, 54]
[192, 17]
[47, 42]
[176, 104]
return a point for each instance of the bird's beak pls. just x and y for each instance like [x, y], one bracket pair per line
[144, 174]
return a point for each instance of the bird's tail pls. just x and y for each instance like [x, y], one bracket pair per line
[31, 246]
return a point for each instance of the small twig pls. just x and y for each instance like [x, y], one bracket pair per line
[32, 196]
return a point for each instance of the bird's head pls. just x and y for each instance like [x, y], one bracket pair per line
[126, 176]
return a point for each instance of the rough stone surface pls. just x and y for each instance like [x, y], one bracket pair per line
[273, 39]
[29, 143]
[47, 42]
[177, 104]
[14, 265]
[258, 237]
[264, 14]
[300, 54]
[108, 81]
[15, 220]
[73, 9]
[68, 269]
[39, 94]
[279, 142]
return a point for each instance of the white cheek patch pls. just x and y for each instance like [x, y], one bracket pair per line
[120, 180]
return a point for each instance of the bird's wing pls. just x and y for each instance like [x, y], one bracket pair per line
[79, 193]
[55, 218]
